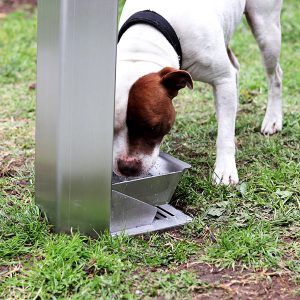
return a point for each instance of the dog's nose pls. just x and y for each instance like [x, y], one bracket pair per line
[129, 167]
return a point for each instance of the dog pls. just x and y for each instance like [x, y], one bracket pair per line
[150, 74]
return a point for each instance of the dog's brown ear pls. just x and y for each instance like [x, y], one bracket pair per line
[174, 80]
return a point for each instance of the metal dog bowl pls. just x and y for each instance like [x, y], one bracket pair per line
[140, 204]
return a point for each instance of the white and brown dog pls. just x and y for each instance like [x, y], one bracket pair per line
[149, 75]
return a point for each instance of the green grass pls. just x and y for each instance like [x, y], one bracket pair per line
[254, 225]
[254, 245]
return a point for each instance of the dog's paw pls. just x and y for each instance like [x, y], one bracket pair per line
[271, 124]
[226, 175]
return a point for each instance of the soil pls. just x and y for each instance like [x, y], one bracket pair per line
[244, 284]
[9, 166]
[238, 283]
[7, 6]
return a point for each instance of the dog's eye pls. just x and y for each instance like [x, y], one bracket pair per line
[155, 130]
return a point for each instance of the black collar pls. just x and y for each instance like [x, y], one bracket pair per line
[157, 21]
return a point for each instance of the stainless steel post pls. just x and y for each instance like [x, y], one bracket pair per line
[75, 105]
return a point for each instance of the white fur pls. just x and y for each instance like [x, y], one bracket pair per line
[204, 29]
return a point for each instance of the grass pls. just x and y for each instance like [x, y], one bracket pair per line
[253, 245]
[253, 226]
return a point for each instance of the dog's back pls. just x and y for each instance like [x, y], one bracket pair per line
[203, 27]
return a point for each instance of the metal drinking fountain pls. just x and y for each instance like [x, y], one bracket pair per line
[74, 129]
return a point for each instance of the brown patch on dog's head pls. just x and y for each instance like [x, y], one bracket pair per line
[150, 112]
[149, 117]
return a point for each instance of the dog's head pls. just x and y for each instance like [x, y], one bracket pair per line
[149, 116]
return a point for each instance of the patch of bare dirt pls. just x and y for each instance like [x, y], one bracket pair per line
[6, 271]
[244, 284]
[238, 283]
[7, 6]
[10, 166]
[3, 269]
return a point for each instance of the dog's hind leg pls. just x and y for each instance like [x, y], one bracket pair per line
[264, 20]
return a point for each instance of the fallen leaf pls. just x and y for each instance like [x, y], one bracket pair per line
[284, 194]
[215, 211]
[242, 188]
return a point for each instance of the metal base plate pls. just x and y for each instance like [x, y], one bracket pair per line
[166, 217]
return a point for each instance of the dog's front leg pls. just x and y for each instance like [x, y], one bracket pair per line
[226, 95]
